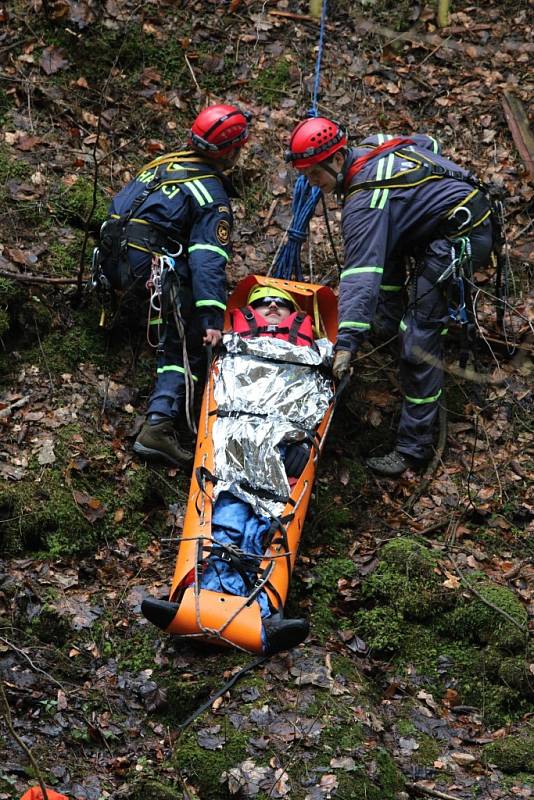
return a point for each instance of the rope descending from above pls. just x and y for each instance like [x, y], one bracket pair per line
[287, 264]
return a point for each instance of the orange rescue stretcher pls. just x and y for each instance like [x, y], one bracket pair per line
[223, 618]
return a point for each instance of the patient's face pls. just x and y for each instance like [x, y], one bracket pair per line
[273, 313]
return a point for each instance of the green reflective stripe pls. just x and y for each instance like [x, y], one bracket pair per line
[200, 186]
[420, 401]
[196, 194]
[435, 146]
[212, 247]
[403, 326]
[379, 175]
[381, 138]
[386, 287]
[157, 321]
[173, 368]
[201, 303]
[363, 325]
[382, 202]
[389, 171]
[358, 270]
[444, 332]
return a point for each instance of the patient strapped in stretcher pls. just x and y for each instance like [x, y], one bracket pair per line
[271, 392]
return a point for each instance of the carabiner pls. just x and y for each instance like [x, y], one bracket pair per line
[468, 216]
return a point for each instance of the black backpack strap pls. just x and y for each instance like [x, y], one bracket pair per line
[298, 319]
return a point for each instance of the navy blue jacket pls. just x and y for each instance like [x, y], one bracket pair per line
[190, 204]
[380, 225]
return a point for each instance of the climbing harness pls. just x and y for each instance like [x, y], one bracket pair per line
[165, 304]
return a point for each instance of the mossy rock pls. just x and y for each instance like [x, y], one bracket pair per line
[407, 581]
[382, 629]
[474, 620]
[409, 557]
[511, 754]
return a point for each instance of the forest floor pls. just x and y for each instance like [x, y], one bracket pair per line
[417, 679]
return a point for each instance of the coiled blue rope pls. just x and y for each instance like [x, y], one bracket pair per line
[305, 197]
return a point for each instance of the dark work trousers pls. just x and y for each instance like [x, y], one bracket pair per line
[422, 331]
[168, 397]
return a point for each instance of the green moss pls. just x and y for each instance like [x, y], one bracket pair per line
[427, 752]
[405, 727]
[63, 257]
[155, 790]
[74, 204]
[205, 767]
[135, 649]
[475, 672]
[50, 626]
[476, 621]
[43, 516]
[409, 557]
[11, 168]
[324, 589]
[514, 672]
[64, 349]
[4, 322]
[511, 754]
[385, 783]
[273, 82]
[382, 629]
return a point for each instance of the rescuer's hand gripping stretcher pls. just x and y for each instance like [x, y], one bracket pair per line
[265, 413]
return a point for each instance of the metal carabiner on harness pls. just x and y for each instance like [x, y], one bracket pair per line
[177, 254]
[468, 217]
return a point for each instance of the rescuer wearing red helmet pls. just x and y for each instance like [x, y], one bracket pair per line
[178, 206]
[400, 198]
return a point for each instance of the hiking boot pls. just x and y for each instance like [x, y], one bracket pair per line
[158, 441]
[393, 464]
[283, 634]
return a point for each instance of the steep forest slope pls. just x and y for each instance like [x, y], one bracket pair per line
[418, 676]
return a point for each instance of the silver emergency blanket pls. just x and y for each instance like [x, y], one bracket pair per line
[269, 393]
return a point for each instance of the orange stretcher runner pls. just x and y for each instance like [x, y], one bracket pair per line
[221, 617]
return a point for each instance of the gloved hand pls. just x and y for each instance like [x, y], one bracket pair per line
[212, 336]
[341, 364]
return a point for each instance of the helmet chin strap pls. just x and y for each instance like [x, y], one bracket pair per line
[339, 178]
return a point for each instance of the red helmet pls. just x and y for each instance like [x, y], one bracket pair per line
[219, 129]
[313, 140]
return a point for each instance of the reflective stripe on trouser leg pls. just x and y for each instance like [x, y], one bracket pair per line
[421, 384]
[168, 395]
[421, 373]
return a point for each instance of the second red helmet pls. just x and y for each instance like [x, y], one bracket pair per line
[313, 140]
[219, 129]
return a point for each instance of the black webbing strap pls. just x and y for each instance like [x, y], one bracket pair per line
[294, 329]
[250, 318]
[219, 693]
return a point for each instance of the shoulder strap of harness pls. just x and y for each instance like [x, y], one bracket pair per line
[424, 170]
[294, 333]
[250, 319]
[374, 152]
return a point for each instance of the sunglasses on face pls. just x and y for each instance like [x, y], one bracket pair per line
[278, 301]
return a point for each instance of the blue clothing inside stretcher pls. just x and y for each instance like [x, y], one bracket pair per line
[234, 522]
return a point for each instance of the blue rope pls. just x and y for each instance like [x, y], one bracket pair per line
[305, 197]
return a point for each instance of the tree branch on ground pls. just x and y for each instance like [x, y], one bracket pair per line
[6, 710]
